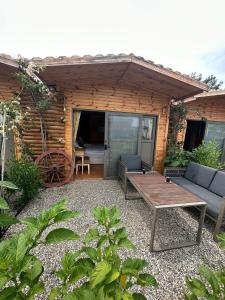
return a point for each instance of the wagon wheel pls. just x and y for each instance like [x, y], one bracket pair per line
[57, 167]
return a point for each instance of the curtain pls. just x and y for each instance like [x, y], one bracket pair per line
[76, 116]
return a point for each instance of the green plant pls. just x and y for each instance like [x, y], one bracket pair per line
[105, 274]
[20, 270]
[177, 157]
[210, 285]
[208, 154]
[26, 175]
[5, 219]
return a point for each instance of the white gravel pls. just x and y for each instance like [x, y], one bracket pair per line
[169, 267]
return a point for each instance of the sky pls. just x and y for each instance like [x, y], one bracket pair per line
[185, 35]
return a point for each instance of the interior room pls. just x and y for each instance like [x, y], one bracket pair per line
[194, 134]
[90, 138]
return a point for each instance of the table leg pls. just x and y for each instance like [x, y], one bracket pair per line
[82, 167]
[201, 222]
[153, 229]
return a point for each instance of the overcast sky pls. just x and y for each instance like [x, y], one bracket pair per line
[186, 35]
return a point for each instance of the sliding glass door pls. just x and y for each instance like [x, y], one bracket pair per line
[127, 133]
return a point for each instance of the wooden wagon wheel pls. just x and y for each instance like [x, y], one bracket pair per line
[57, 167]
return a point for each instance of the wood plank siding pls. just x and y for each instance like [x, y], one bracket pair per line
[120, 99]
[209, 108]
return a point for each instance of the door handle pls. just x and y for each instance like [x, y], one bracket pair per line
[106, 147]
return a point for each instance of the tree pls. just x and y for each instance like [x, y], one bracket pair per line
[212, 82]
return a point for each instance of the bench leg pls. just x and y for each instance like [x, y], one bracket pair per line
[201, 222]
[219, 220]
[153, 229]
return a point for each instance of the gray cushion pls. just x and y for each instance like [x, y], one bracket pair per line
[218, 184]
[213, 201]
[131, 161]
[199, 174]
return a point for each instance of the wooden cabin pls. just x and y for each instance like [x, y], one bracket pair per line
[108, 104]
[205, 120]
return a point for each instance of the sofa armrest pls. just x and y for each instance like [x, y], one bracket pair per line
[220, 219]
[174, 171]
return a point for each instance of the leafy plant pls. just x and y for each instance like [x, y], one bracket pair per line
[26, 175]
[20, 270]
[177, 157]
[208, 154]
[5, 219]
[105, 274]
[210, 285]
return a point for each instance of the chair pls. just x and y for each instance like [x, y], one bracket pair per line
[83, 163]
[130, 163]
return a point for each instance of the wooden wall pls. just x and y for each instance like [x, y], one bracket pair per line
[120, 99]
[212, 109]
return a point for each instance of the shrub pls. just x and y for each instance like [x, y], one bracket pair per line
[95, 271]
[177, 157]
[208, 154]
[210, 285]
[26, 175]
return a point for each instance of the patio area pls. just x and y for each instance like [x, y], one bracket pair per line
[169, 267]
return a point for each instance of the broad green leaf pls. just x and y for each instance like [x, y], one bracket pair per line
[55, 292]
[66, 215]
[120, 234]
[146, 279]
[212, 279]
[133, 265]
[60, 235]
[33, 273]
[8, 293]
[127, 296]
[125, 243]
[91, 252]
[112, 276]
[103, 239]
[80, 294]
[99, 273]
[3, 279]
[197, 287]
[30, 221]
[91, 235]
[86, 264]
[138, 296]
[9, 185]
[3, 204]
[36, 289]
[7, 220]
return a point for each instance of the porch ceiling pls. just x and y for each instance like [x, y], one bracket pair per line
[70, 73]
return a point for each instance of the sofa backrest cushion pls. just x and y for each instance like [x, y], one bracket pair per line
[199, 174]
[218, 184]
[131, 161]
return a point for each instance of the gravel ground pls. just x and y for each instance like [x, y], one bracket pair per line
[168, 267]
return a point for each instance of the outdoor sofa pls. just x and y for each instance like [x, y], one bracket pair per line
[209, 185]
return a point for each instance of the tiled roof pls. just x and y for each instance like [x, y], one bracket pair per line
[99, 58]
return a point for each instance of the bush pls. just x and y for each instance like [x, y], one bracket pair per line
[26, 175]
[177, 157]
[95, 271]
[208, 154]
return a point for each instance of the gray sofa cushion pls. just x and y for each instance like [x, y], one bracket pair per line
[132, 162]
[218, 184]
[201, 175]
[213, 201]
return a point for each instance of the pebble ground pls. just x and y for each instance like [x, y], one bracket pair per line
[169, 267]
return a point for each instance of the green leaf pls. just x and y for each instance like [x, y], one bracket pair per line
[112, 276]
[7, 220]
[132, 266]
[3, 204]
[60, 235]
[30, 221]
[127, 296]
[125, 243]
[212, 279]
[99, 273]
[138, 296]
[80, 294]
[8, 293]
[66, 215]
[197, 287]
[91, 235]
[55, 292]
[33, 273]
[3, 279]
[86, 264]
[91, 252]
[9, 185]
[120, 234]
[146, 279]
[103, 239]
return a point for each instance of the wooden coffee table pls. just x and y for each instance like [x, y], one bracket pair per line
[160, 195]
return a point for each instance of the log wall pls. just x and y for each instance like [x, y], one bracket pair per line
[211, 109]
[120, 99]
